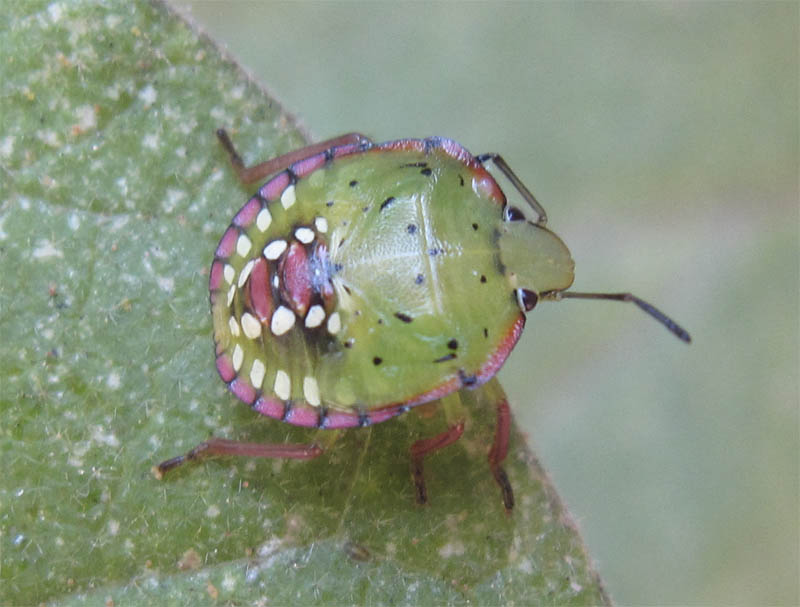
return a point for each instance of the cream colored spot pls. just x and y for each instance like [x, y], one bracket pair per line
[257, 373]
[263, 220]
[234, 326]
[334, 323]
[282, 320]
[231, 293]
[243, 245]
[322, 224]
[274, 249]
[238, 357]
[304, 235]
[245, 274]
[288, 198]
[283, 385]
[250, 325]
[229, 273]
[311, 391]
[315, 316]
[276, 282]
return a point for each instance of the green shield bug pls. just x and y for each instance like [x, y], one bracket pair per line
[363, 279]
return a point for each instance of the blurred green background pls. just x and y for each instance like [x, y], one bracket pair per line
[662, 139]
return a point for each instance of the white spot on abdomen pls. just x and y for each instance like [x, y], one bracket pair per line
[238, 357]
[251, 325]
[246, 272]
[263, 220]
[288, 197]
[334, 323]
[282, 320]
[283, 385]
[243, 245]
[274, 249]
[229, 273]
[304, 235]
[311, 391]
[315, 316]
[257, 373]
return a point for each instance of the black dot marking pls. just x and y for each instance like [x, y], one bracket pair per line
[337, 267]
[363, 418]
[485, 332]
[475, 226]
[380, 321]
[341, 242]
[467, 380]
[411, 228]
[434, 252]
[426, 171]
[414, 164]
[377, 360]
[346, 288]
[445, 358]
[366, 208]
[349, 343]
[461, 180]
[452, 344]
[419, 279]
[329, 203]
[404, 317]
[322, 419]
[353, 183]
[387, 202]
[287, 407]
[483, 278]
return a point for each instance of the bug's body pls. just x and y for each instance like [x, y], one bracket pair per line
[363, 279]
[376, 283]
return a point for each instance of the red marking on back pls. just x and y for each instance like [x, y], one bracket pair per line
[342, 419]
[243, 390]
[296, 278]
[225, 368]
[376, 416]
[270, 407]
[275, 186]
[259, 292]
[302, 414]
[306, 166]
[215, 276]
[227, 243]
[439, 391]
[499, 356]
[247, 213]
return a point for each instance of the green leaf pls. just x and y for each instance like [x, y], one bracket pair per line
[114, 194]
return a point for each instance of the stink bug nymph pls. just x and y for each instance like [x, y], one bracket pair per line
[363, 279]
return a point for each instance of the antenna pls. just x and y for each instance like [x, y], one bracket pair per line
[665, 320]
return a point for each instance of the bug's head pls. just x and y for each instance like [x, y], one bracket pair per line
[535, 260]
[539, 266]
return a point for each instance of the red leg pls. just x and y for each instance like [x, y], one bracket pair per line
[222, 446]
[263, 170]
[426, 446]
[498, 453]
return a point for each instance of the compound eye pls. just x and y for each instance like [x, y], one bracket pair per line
[526, 299]
[512, 214]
